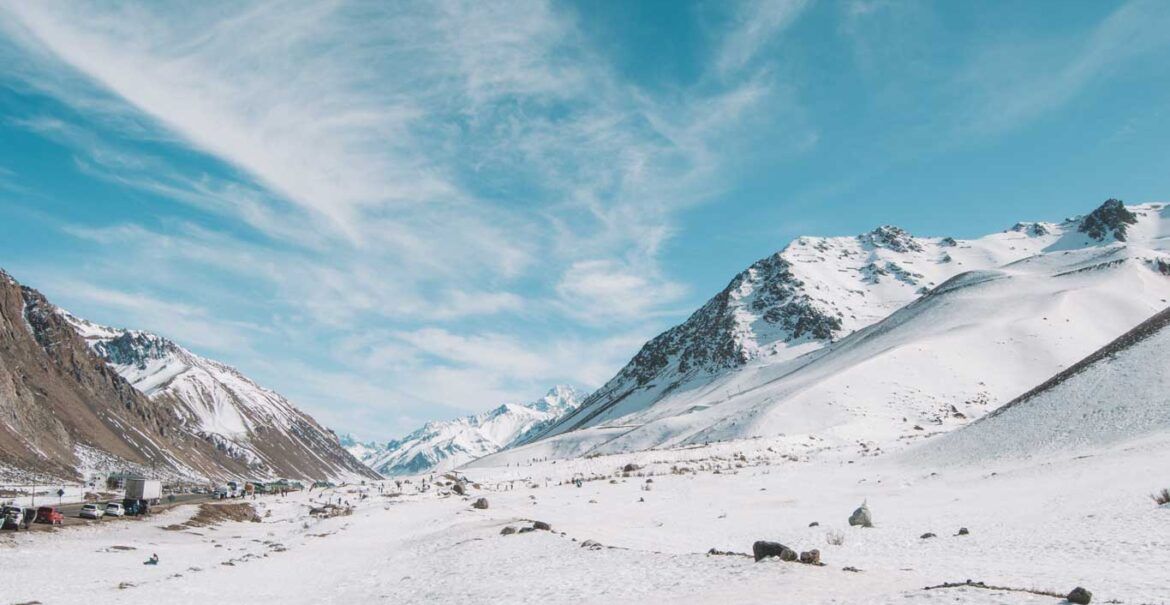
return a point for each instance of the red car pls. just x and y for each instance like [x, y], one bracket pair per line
[50, 515]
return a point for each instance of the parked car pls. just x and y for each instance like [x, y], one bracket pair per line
[115, 509]
[91, 511]
[133, 508]
[13, 517]
[50, 515]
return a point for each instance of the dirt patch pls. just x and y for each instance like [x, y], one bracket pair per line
[214, 514]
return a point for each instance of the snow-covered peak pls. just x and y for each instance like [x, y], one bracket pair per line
[891, 237]
[818, 290]
[444, 444]
[217, 402]
[558, 400]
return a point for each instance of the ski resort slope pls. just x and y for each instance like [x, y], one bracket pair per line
[1119, 393]
[958, 352]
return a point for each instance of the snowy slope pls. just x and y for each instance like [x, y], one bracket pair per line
[442, 445]
[1120, 392]
[814, 291]
[253, 424]
[970, 344]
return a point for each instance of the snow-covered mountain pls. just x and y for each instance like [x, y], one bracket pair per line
[214, 401]
[865, 338]
[1118, 393]
[443, 445]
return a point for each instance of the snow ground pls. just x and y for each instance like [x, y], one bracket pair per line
[1049, 523]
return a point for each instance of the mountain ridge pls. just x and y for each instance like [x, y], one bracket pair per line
[223, 406]
[1112, 260]
[444, 444]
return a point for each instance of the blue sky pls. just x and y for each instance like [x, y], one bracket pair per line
[393, 213]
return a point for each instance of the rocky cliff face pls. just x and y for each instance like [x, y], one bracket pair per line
[213, 401]
[77, 398]
[63, 410]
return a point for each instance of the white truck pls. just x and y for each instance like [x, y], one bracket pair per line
[143, 489]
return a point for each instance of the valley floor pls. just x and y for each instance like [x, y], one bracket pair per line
[1049, 525]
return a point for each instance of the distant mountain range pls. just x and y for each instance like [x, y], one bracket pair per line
[879, 338]
[441, 445]
[79, 397]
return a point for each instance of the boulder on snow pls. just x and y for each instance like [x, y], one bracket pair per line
[480, 503]
[541, 525]
[811, 557]
[631, 467]
[1080, 596]
[927, 535]
[459, 489]
[507, 531]
[763, 549]
[592, 545]
[861, 517]
[815, 524]
[963, 531]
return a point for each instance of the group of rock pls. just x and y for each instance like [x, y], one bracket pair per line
[763, 549]
[511, 529]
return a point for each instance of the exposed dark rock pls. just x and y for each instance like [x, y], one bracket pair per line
[1080, 596]
[861, 517]
[811, 557]
[893, 238]
[630, 468]
[814, 524]
[764, 549]
[458, 489]
[541, 525]
[927, 536]
[963, 531]
[1109, 219]
[480, 503]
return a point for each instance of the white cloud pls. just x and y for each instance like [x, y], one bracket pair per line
[755, 24]
[188, 324]
[396, 169]
[605, 290]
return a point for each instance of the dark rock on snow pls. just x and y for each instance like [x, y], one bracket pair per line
[861, 517]
[481, 503]
[763, 549]
[811, 557]
[541, 525]
[1080, 596]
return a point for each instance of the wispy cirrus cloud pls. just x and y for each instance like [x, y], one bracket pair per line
[1016, 80]
[407, 167]
[754, 25]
